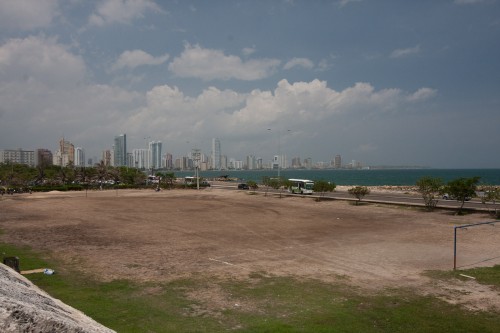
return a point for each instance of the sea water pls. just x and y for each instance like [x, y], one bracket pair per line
[371, 177]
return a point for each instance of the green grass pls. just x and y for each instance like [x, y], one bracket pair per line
[490, 275]
[261, 304]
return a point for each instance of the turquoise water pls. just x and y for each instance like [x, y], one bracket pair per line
[371, 177]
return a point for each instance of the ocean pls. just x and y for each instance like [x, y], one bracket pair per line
[372, 177]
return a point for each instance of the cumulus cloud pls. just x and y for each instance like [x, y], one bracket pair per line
[27, 14]
[299, 62]
[40, 59]
[468, 2]
[422, 94]
[121, 11]
[400, 53]
[43, 90]
[309, 106]
[210, 64]
[136, 58]
[248, 51]
[343, 3]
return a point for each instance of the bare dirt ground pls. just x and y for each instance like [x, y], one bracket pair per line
[144, 235]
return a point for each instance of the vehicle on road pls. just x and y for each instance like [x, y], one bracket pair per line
[243, 186]
[446, 196]
[301, 186]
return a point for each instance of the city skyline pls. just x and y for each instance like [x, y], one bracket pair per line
[416, 84]
[154, 158]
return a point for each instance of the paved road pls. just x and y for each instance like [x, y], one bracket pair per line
[390, 198]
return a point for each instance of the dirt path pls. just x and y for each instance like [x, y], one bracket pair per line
[150, 236]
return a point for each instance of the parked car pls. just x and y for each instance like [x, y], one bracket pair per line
[446, 196]
[243, 186]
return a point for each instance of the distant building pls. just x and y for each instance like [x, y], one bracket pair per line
[65, 155]
[18, 156]
[223, 162]
[43, 157]
[106, 157]
[155, 154]
[120, 150]
[337, 162]
[216, 154]
[141, 158]
[251, 162]
[79, 157]
[168, 161]
[296, 163]
[308, 163]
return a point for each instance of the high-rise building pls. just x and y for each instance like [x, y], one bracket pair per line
[337, 162]
[141, 158]
[296, 162]
[216, 154]
[308, 163]
[223, 162]
[107, 157]
[251, 162]
[79, 157]
[18, 156]
[120, 150]
[43, 157]
[66, 153]
[155, 154]
[168, 164]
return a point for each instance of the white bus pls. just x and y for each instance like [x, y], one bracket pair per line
[301, 186]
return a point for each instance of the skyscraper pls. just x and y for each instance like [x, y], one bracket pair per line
[337, 162]
[155, 154]
[120, 150]
[216, 154]
[79, 157]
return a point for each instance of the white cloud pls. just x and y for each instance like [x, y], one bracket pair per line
[422, 94]
[468, 2]
[209, 64]
[40, 59]
[43, 90]
[121, 11]
[136, 58]
[27, 14]
[308, 107]
[248, 51]
[299, 62]
[400, 53]
[343, 3]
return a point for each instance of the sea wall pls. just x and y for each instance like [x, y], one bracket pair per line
[26, 308]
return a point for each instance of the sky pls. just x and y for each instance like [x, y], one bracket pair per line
[402, 83]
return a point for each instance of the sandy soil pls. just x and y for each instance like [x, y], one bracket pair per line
[160, 236]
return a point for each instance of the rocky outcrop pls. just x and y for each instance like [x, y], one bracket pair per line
[26, 308]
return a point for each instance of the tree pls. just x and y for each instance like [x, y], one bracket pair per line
[276, 183]
[359, 192]
[252, 185]
[101, 173]
[266, 181]
[430, 187]
[491, 194]
[168, 178]
[462, 189]
[323, 186]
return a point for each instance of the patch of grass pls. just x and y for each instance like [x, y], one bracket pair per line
[263, 303]
[483, 275]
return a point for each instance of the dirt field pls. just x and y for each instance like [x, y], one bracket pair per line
[159, 236]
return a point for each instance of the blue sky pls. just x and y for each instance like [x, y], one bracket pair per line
[381, 82]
